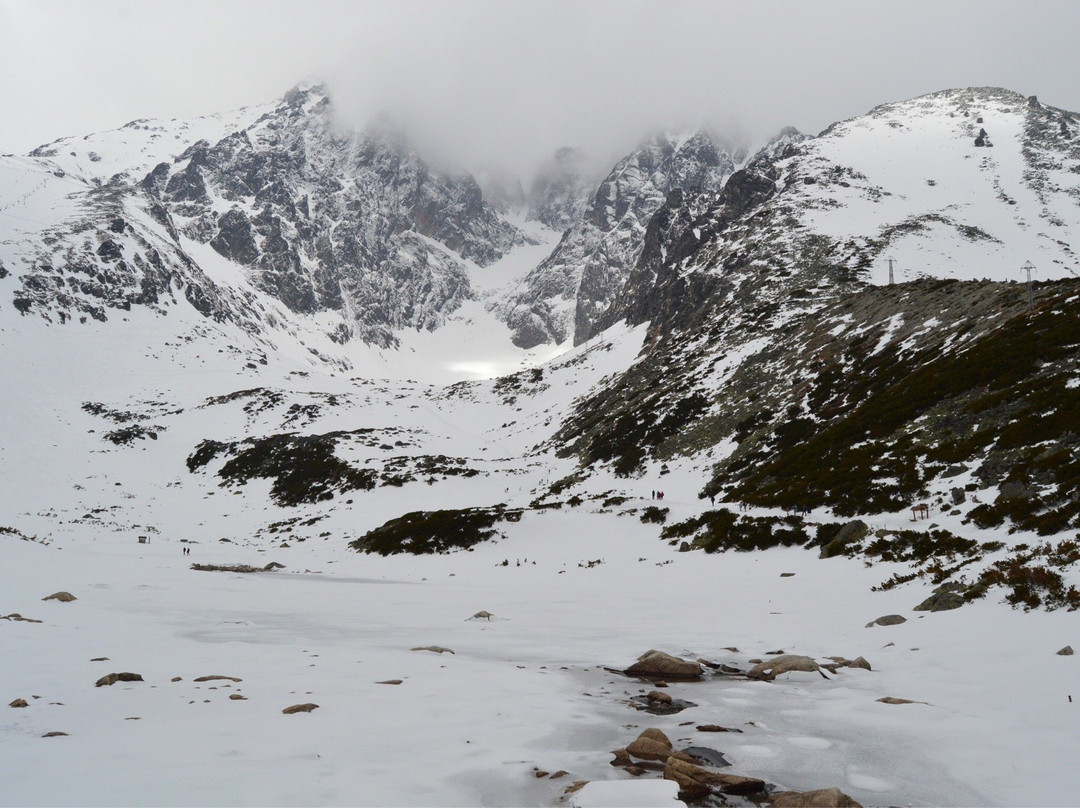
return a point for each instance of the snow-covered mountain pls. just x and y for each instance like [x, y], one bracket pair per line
[265, 339]
[770, 293]
[312, 215]
[563, 297]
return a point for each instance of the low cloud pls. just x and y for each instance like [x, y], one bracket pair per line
[505, 83]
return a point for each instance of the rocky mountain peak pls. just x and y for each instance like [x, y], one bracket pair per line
[567, 293]
[781, 145]
[316, 215]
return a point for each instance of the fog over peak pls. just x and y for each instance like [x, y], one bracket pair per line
[497, 84]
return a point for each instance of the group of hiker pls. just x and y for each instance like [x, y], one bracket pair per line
[657, 494]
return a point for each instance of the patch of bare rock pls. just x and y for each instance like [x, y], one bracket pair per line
[245, 568]
[113, 678]
[435, 649]
[19, 618]
[887, 620]
[948, 596]
[300, 708]
[894, 700]
[63, 597]
[214, 677]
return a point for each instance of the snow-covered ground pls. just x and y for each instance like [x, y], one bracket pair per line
[525, 690]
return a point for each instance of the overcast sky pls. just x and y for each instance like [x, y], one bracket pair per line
[507, 82]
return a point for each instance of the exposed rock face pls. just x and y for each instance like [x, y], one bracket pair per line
[853, 531]
[565, 295]
[561, 189]
[782, 145]
[330, 219]
[319, 217]
[657, 290]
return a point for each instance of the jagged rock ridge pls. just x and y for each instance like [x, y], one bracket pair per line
[329, 219]
[833, 389]
[319, 217]
[565, 295]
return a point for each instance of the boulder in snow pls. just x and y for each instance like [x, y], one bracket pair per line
[657, 663]
[63, 597]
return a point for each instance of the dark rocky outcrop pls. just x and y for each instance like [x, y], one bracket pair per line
[63, 597]
[235, 239]
[948, 596]
[300, 708]
[567, 293]
[853, 531]
[329, 219]
[113, 678]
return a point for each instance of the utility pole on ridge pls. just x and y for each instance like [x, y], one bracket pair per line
[1028, 266]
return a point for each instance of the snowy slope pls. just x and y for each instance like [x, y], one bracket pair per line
[135, 148]
[524, 689]
[910, 177]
